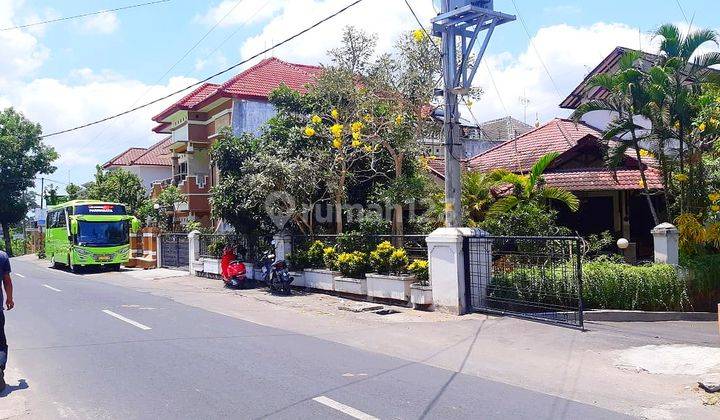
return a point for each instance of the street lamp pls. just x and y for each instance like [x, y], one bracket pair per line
[622, 243]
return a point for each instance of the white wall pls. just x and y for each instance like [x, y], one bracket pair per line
[149, 174]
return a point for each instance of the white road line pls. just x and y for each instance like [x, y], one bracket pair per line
[20, 275]
[352, 412]
[129, 321]
[51, 288]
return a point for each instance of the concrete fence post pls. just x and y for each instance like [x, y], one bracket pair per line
[158, 250]
[283, 245]
[193, 249]
[447, 270]
[666, 243]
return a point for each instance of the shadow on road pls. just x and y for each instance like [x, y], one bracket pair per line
[9, 389]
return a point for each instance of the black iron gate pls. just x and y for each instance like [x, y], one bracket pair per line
[174, 251]
[527, 276]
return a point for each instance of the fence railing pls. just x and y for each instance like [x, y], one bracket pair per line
[247, 247]
[414, 245]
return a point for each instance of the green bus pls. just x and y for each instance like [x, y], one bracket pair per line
[82, 233]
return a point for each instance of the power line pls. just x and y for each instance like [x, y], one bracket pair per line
[84, 15]
[191, 49]
[532, 44]
[683, 12]
[234, 66]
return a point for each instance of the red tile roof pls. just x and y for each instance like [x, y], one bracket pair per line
[124, 158]
[520, 153]
[261, 79]
[593, 179]
[188, 101]
[156, 155]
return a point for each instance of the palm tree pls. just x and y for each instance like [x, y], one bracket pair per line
[626, 98]
[530, 189]
[477, 196]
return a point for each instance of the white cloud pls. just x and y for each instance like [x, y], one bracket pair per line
[242, 12]
[59, 105]
[104, 23]
[22, 53]
[569, 52]
[311, 47]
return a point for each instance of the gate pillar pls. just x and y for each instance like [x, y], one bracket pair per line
[447, 269]
[193, 250]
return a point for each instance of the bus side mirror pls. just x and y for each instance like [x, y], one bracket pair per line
[73, 226]
[134, 225]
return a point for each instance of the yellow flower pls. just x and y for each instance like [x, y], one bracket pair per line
[367, 148]
[641, 183]
[418, 35]
[356, 126]
[701, 127]
[368, 118]
[336, 130]
[644, 153]
[399, 119]
[713, 122]
[715, 207]
[714, 197]
[316, 119]
[355, 143]
[335, 114]
[337, 143]
[680, 177]
[677, 125]
[309, 131]
[469, 103]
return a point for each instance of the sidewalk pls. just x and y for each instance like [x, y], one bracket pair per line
[612, 365]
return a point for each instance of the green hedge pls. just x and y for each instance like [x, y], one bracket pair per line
[606, 285]
[703, 277]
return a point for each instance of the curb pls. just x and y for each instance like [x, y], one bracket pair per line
[647, 316]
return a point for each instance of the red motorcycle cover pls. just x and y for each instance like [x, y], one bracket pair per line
[231, 268]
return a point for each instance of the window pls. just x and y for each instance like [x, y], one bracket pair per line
[61, 221]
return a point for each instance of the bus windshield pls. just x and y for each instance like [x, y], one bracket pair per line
[103, 233]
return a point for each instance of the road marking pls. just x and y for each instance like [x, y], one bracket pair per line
[20, 275]
[52, 288]
[352, 412]
[129, 321]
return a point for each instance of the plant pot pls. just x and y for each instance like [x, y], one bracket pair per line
[257, 274]
[198, 265]
[420, 295]
[319, 278]
[298, 278]
[389, 287]
[351, 285]
[211, 265]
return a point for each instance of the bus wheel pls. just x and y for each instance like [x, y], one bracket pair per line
[114, 267]
[74, 268]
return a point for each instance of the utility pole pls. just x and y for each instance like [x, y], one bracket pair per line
[42, 191]
[459, 24]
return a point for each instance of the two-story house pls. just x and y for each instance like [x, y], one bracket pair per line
[149, 164]
[195, 121]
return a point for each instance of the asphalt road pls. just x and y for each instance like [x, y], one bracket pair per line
[91, 350]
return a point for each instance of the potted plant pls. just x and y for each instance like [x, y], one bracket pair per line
[352, 267]
[420, 291]
[388, 280]
[215, 249]
[321, 260]
[298, 261]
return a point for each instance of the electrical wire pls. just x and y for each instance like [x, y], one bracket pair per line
[532, 44]
[234, 66]
[44, 22]
[187, 52]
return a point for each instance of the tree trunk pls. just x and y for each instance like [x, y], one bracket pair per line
[644, 180]
[398, 226]
[6, 237]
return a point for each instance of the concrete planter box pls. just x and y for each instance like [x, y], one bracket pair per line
[211, 265]
[257, 274]
[389, 287]
[318, 278]
[298, 278]
[420, 295]
[351, 285]
[198, 266]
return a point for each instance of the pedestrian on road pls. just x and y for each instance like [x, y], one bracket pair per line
[7, 284]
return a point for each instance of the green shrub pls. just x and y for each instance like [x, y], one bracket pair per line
[606, 285]
[330, 258]
[703, 278]
[351, 241]
[216, 247]
[398, 261]
[380, 257]
[298, 259]
[315, 254]
[352, 264]
[651, 287]
[420, 269]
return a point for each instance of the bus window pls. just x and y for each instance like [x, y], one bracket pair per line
[61, 221]
[100, 209]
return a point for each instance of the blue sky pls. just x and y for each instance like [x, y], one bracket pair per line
[67, 73]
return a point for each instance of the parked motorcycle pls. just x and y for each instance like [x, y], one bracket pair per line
[234, 272]
[276, 274]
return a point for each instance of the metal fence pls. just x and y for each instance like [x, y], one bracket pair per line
[414, 245]
[174, 248]
[247, 247]
[532, 277]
